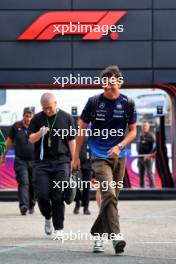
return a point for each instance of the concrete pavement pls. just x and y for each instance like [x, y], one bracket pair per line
[149, 228]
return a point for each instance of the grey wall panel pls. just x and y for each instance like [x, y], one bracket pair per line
[137, 76]
[165, 76]
[165, 54]
[164, 4]
[48, 77]
[89, 73]
[35, 4]
[35, 55]
[36, 61]
[130, 76]
[14, 23]
[165, 25]
[77, 4]
[31, 77]
[112, 4]
[137, 25]
[125, 54]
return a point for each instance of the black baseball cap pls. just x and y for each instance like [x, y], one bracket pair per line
[29, 109]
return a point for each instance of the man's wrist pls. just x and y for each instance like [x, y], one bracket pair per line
[120, 146]
[4, 155]
[76, 155]
[40, 133]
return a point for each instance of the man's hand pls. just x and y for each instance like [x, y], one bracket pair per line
[3, 160]
[75, 165]
[114, 152]
[146, 158]
[71, 165]
[44, 130]
[34, 137]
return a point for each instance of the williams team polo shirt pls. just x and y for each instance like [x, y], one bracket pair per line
[109, 126]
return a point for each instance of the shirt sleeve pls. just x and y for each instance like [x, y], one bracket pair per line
[153, 141]
[2, 143]
[86, 113]
[153, 137]
[13, 132]
[71, 129]
[33, 127]
[133, 115]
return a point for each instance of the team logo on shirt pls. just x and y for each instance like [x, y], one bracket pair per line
[119, 106]
[102, 105]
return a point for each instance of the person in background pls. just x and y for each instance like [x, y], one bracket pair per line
[145, 148]
[85, 171]
[24, 154]
[2, 143]
[52, 163]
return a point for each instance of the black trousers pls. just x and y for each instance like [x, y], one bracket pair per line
[85, 196]
[50, 196]
[146, 166]
[23, 170]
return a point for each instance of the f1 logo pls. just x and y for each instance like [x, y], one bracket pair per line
[42, 27]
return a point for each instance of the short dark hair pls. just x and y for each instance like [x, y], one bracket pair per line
[110, 71]
[145, 121]
[29, 109]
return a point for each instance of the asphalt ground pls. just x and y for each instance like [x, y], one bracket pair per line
[149, 228]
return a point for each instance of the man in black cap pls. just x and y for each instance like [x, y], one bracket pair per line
[24, 152]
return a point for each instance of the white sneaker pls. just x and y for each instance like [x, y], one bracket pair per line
[48, 226]
[98, 246]
[118, 243]
[58, 235]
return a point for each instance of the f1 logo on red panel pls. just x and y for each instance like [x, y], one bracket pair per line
[85, 23]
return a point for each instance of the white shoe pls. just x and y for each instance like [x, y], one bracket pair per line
[58, 235]
[118, 243]
[48, 227]
[98, 246]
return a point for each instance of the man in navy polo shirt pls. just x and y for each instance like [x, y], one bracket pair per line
[110, 118]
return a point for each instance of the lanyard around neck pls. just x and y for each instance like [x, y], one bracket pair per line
[54, 121]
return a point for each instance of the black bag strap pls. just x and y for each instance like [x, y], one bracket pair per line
[130, 109]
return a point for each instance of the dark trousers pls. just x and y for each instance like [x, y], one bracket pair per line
[85, 196]
[23, 170]
[146, 166]
[50, 197]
